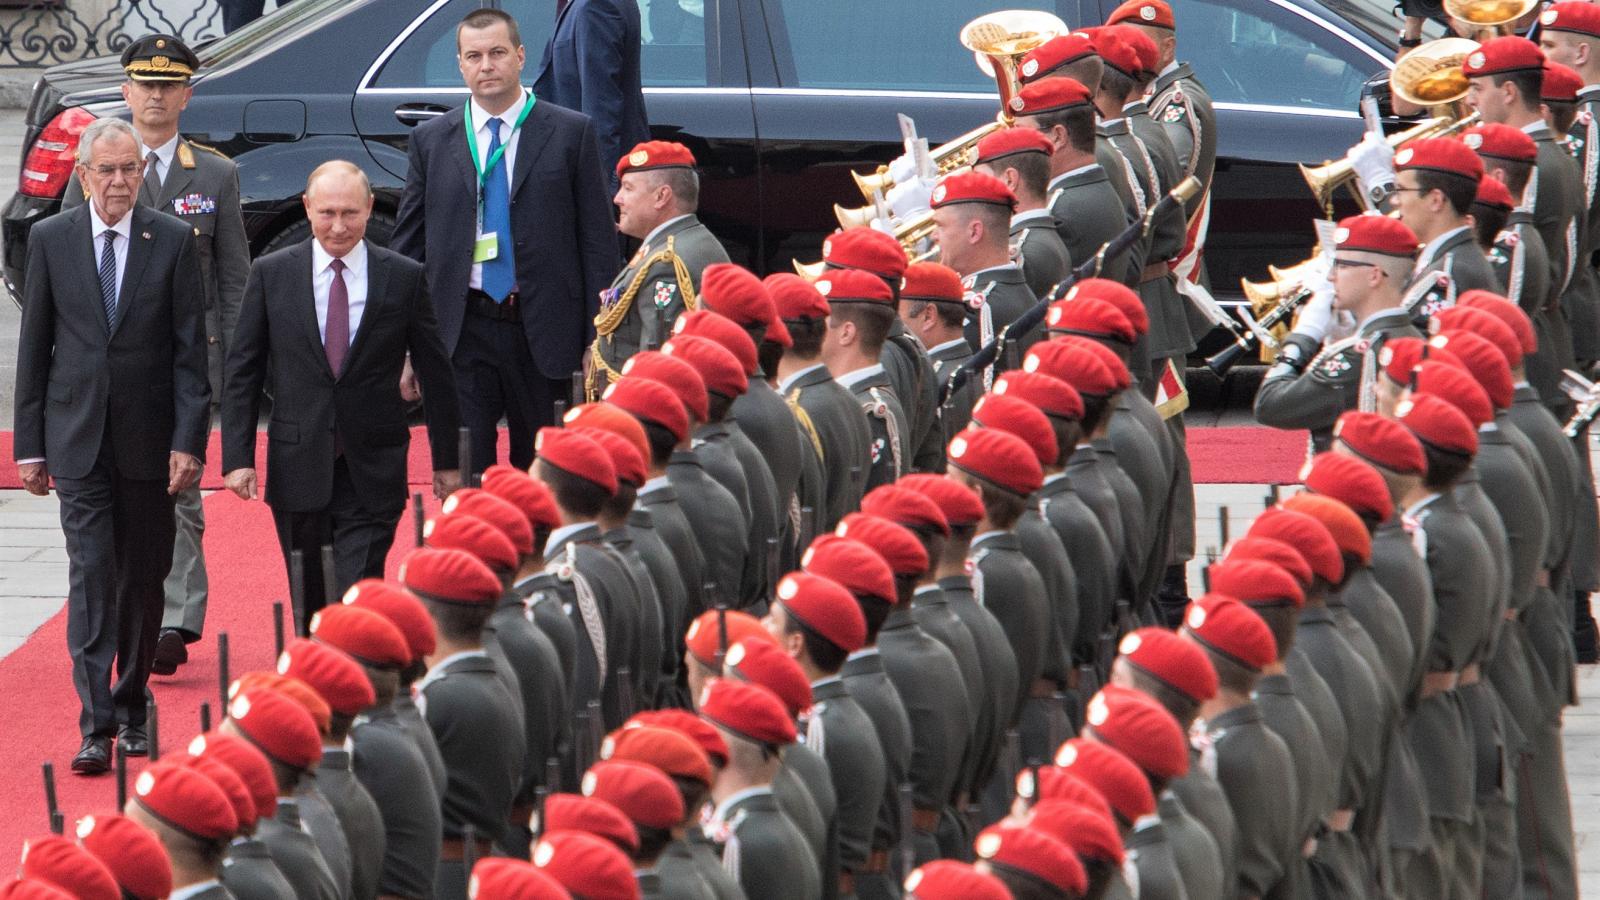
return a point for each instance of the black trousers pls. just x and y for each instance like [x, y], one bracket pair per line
[119, 533]
[360, 537]
[495, 377]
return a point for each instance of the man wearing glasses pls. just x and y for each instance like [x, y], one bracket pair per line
[1373, 260]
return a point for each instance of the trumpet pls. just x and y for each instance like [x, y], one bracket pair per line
[914, 234]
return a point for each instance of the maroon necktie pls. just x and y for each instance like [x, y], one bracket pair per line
[336, 333]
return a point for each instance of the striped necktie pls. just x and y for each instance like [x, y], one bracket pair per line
[108, 276]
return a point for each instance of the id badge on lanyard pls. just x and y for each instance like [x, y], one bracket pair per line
[487, 246]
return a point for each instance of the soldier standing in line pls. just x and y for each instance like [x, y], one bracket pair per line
[861, 310]
[971, 218]
[1020, 158]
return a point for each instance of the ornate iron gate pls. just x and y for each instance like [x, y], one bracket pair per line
[39, 33]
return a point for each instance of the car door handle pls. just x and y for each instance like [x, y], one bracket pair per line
[417, 113]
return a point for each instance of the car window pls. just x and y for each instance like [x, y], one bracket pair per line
[1257, 53]
[884, 46]
[673, 52]
[292, 19]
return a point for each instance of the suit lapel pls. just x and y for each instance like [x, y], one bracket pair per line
[462, 152]
[377, 284]
[139, 242]
[534, 136]
[306, 299]
[87, 269]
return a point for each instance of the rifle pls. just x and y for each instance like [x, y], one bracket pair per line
[57, 820]
[1586, 397]
[1090, 268]
[297, 588]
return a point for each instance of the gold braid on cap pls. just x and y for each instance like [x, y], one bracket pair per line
[610, 318]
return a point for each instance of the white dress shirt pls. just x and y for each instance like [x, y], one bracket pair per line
[164, 154]
[509, 138]
[184, 893]
[355, 283]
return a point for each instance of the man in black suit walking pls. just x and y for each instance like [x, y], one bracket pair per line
[331, 320]
[112, 399]
[505, 205]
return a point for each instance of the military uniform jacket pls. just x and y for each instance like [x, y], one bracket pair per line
[1558, 203]
[1036, 247]
[795, 800]
[1447, 270]
[679, 886]
[358, 815]
[928, 678]
[844, 435]
[763, 850]
[1088, 214]
[905, 361]
[808, 771]
[1008, 585]
[1094, 561]
[995, 298]
[866, 680]
[1253, 766]
[934, 616]
[1355, 689]
[394, 772]
[416, 727]
[1379, 634]
[647, 296]
[716, 523]
[1043, 547]
[1169, 323]
[474, 719]
[296, 853]
[1313, 692]
[1181, 105]
[598, 594]
[1202, 798]
[541, 682]
[887, 419]
[1194, 850]
[658, 500]
[957, 410]
[1152, 857]
[1135, 530]
[249, 873]
[838, 729]
[648, 647]
[672, 595]
[693, 861]
[1090, 482]
[202, 189]
[716, 453]
[319, 820]
[1332, 382]
[1130, 193]
[768, 509]
[1144, 448]
[1400, 570]
[1000, 677]
[541, 605]
[1314, 772]
[765, 419]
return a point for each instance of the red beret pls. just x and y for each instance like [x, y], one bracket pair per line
[1307, 535]
[58, 862]
[518, 488]
[1117, 778]
[1577, 16]
[1090, 832]
[1486, 347]
[762, 662]
[898, 546]
[28, 889]
[795, 298]
[1117, 53]
[722, 331]
[1005, 142]
[452, 576]
[247, 761]
[1090, 318]
[1256, 582]
[590, 815]
[1231, 630]
[499, 878]
[1034, 853]
[186, 800]
[290, 687]
[1401, 355]
[1053, 54]
[1560, 85]
[1438, 423]
[399, 606]
[856, 567]
[905, 506]
[1275, 551]
[960, 504]
[1178, 664]
[1503, 54]
[339, 679]
[277, 725]
[1051, 782]
[722, 371]
[496, 511]
[625, 458]
[1114, 366]
[1351, 482]
[643, 792]
[1142, 44]
[1381, 442]
[1501, 142]
[1494, 194]
[1054, 397]
[825, 606]
[680, 377]
[704, 635]
[1376, 234]
[587, 866]
[969, 186]
[651, 401]
[131, 852]
[866, 249]
[611, 418]
[470, 534]
[1117, 294]
[1455, 386]
[747, 711]
[669, 750]
[997, 457]
[1349, 532]
[946, 879]
[1021, 418]
[934, 282]
[1154, 13]
[1074, 364]
[233, 787]
[656, 155]
[576, 454]
[1049, 95]
[686, 723]
[1445, 155]
[1509, 314]
[1138, 727]
[737, 293]
[853, 286]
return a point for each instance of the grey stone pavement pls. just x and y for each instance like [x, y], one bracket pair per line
[33, 563]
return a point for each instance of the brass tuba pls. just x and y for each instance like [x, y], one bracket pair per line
[1490, 17]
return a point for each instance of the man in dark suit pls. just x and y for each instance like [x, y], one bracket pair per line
[592, 65]
[332, 320]
[111, 399]
[515, 230]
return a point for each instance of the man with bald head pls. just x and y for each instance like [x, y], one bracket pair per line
[327, 324]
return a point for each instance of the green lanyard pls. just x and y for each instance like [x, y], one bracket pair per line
[483, 170]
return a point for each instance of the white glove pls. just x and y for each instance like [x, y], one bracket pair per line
[903, 168]
[908, 198]
[1373, 161]
[1317, 314]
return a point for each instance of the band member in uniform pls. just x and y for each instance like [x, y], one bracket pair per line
[1020, 157]
[971, 216]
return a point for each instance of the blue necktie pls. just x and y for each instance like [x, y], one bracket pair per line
[500, 273]
[108, 277]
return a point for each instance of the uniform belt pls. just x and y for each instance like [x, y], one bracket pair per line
[1341, 819]
[1043, 689]
[451, 849]
[925, 820]
[481, 304]
[1471, 674]
[1435, 683]
[1155, 272]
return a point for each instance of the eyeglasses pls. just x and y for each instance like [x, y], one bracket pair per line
[127, 171]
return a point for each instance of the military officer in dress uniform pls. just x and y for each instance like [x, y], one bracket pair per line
[934, 310]
[193, 819]
[861, 311]
[201, 187]
[971, 218]
[656, 202]
[1020, 157]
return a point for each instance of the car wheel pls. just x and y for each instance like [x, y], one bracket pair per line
[379, 229]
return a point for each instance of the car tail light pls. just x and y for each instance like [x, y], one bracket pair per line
[52, 156]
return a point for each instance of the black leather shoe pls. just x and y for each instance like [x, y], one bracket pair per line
[94, 757]
[131, 741]
[171, 652]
